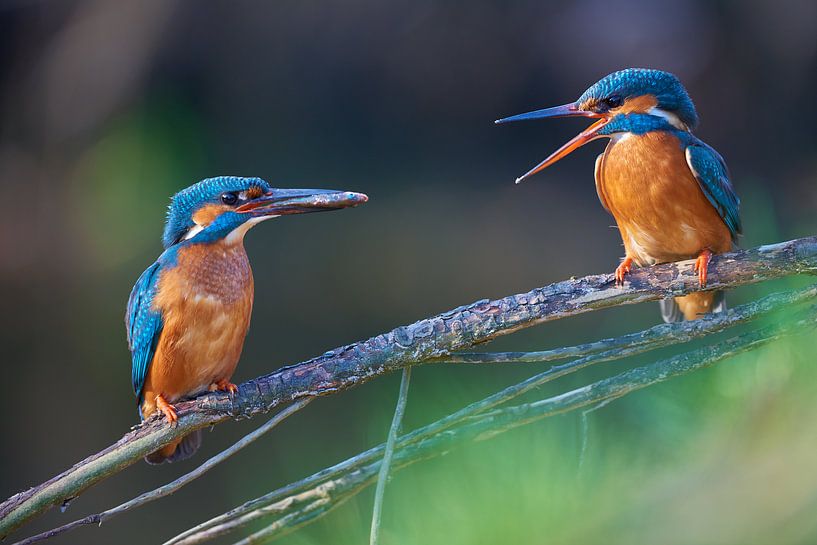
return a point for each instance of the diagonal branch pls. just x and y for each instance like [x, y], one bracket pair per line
[655, 337]
[313, 497]
[357, 363]
[172, 487]
[670, 334]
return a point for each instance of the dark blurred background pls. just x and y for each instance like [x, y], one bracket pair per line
[108, 108]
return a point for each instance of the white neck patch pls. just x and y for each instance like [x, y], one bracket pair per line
[195, 230]
[671, 118]
[237, 235]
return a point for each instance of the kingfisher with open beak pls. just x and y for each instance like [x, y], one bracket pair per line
[189, 312]
[668, 191]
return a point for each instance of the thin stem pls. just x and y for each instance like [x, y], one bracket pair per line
[383, 476]
[488, 425]
[641, 338]
[669, 334]
[172, 487]
[433, 337]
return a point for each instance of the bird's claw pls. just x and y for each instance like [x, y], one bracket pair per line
[224, 385]
[167, 409]
[702, 265]
[622, 270]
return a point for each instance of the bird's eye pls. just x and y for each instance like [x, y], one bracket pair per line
[229, 198]
[613, 101]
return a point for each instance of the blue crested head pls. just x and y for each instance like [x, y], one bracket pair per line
[617, 88]
[214, 194]
[215, 208]
[635, 100]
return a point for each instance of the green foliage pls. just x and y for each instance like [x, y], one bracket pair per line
[677, 463]
[142, 159]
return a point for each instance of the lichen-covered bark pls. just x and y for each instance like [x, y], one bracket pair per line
[659, 336]
[433, 337]
[295, 504]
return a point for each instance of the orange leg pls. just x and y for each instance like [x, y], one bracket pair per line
[224, 385]
[167, 409]
[622, 270]
[701, 266]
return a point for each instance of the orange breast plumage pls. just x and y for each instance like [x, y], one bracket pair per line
[206, 303]
[661, 211]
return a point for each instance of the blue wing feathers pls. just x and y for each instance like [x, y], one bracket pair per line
[710, 170]
[144, 326]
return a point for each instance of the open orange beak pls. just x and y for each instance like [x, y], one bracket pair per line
[566, 110]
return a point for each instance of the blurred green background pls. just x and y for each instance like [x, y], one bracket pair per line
[110, 107]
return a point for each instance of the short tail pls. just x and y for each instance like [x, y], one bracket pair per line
[178, 450]
[692, 306]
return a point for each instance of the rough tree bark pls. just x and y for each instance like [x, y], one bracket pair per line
[424, 340]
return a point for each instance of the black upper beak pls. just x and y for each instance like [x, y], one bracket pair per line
[300, 201]
[565, 110]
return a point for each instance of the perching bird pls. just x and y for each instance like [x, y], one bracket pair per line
[189, 312]
[668, 191]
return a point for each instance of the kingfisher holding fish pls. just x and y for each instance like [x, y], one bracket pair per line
[189, 312]
[668, 191]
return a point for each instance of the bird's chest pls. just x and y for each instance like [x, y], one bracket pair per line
[645, 182]
[211, 287]
[206, 304]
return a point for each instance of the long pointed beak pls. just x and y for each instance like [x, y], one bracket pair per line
[566, 110]
[587, 135]
[301, 201]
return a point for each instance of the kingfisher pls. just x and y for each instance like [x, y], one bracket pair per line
[189, 312]
[668, 191]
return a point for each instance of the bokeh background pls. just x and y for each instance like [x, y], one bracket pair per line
[110, 107]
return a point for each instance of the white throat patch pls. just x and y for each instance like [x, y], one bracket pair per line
[195, 230]
[671, 118]
[237, 234]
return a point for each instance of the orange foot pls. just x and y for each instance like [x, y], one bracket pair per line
[167, 409]
[224, 385]
[622, 270]
[701, 266]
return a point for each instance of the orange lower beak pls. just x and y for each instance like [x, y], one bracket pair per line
[587, 135]
[566, 110]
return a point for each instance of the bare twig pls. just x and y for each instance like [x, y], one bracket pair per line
[294, 511]
[663, 334]
[172, 487]
[354, 364]
[383, 476]
[291, 514]
[656, 337]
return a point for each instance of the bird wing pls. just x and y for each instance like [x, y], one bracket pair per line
[710, 170]
[144, 325]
